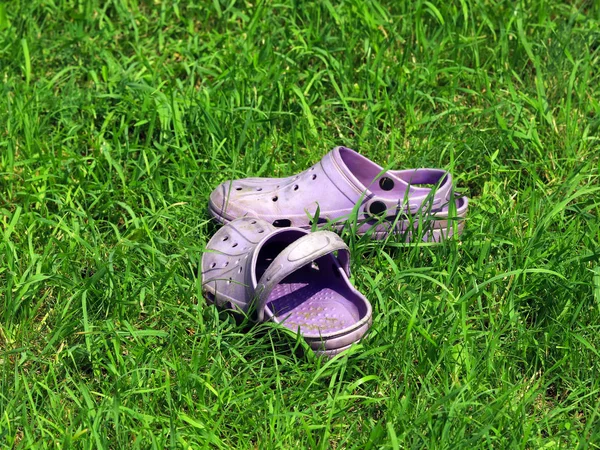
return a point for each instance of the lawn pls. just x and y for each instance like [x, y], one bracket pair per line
[118, 118]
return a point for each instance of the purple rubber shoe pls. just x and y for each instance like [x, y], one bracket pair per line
[342, 182]
[292, 277]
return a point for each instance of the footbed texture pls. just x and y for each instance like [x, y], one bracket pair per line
[315, 310]
[314, 300]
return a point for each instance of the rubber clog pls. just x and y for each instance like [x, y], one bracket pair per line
[344, 182]
[290, 276]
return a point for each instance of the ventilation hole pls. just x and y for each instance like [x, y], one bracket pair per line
[377, 208]
[314, 177]
[238, 188]
[282, 223]
[312, 168]
[213, 265]
[237, 262]
[275, 198]
[252, 222]
[225, 238]
[226, 264]
[240, 269]
[387, 184]
[261, 231]
[229, 281]
[259, 189]
[320, 221]
[210, 297]
[235, 244]
[296, 187]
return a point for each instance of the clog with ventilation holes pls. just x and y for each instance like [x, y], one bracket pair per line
[290, 276]
[343, 182]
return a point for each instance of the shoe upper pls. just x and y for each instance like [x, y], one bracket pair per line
[341, 183]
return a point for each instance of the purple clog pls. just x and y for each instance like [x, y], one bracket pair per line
[343, 183]
[290, 276]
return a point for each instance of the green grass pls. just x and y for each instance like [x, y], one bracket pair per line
[118, 117]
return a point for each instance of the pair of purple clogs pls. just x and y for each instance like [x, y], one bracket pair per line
[266, 257]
